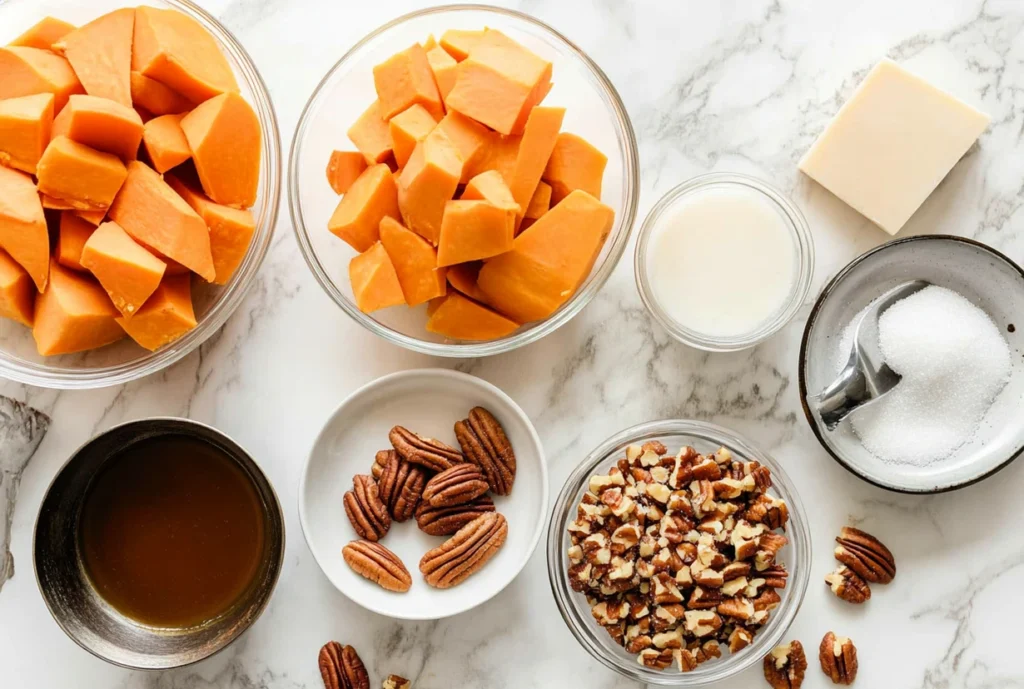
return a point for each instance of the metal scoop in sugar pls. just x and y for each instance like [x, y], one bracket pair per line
[866, 376]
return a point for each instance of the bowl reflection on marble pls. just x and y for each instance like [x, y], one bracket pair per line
[593, 110]
[125, 361]
[575, 610]
[989, 280]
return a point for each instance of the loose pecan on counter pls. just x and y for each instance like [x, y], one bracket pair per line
[838, 658]
[341, 667]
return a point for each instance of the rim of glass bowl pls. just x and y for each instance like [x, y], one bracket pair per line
[797, 225]
[620, 232]
[570, 603]
[42, 375]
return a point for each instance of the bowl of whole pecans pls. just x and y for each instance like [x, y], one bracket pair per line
[678, 553]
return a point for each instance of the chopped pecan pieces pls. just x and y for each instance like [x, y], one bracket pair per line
[465, 553]
[373, 561]
[785, 666]
[396, 682]
[838, 658]
[848, 585]
[484, 443]
[427, 452]
[365, 509]
[865, 555]
[341, 667]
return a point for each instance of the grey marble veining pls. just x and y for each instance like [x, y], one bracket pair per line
[737, 85]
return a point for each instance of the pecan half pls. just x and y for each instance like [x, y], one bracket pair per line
[838, 658]
[427, 452]
[401, 485]
[444, 521]
[484, 443]
[460, 484]
[865, 555]
[785, 666]
[378, 564]
[365, 509]
[396, 682]
[380, 460]
[465, 553]
[341, 667]
[848, 585]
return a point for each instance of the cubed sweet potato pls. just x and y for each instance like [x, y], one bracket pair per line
[415, 262]
[84, 177]
[470, 138]
[100, 52]
[540, 202]
[102, 124]
[343, 169]
[155, 98]
[445, 70]
[372, 197]
[72, 235]
[44, 33]
[177, 51]
[459, 42]
[408, 128]
[128, 272]
[539, 138]
[17, 293]
[28, 71]
[472, 230]
[574, 164]
[226, 142]
[165, 142]
[73, 314]
[23, 232]
[371, 135]
[374, 280]
[498, 153]
[428, 181]
[25, 126]
[462, 277]
[463, 319]
[166, 315]
[405, 79]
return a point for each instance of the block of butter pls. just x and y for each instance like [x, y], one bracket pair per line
[891, 144]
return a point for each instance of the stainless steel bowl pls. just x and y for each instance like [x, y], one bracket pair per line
[76, 606]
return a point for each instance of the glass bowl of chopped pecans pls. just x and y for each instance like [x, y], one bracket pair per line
[678, 553]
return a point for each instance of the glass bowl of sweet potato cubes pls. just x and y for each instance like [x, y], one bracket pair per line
[139, 185]
[463, 181]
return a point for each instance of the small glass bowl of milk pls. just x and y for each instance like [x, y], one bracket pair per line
[724, 261]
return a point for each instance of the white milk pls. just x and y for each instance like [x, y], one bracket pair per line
[722, 261]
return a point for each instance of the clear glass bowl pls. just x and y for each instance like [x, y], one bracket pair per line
[593, 110]
[803, 247]
[705, 438]
[124, 361]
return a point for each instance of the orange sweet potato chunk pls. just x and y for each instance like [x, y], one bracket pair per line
[155, 216]
[490, 186]
[44, 33]
[23, 232]
[470, 138]
[540, 202]
[165, 142]
[430, 43]
[17, 293]
[166, 315]
[102, 124]
[128, 272]
[84, 177]
[375, 283]
[224, 135]
[445, 69]
[73, 314]
[427, 183]
[27, 71]
[574, 164]
[415, 262]
[343, 169]
[231, 229]
[408, 128]
[405, 79]
[499, 82]
[155, 98]
[25, 126]
[175, 50]
[462, 277]
[539, 137]
[371, 135]
[100, 52]
[74, 232]
[499, 153]
[463, 319]
[550, 260]
[94, 218]
[371, 198]
[472, 230]
[458, 43]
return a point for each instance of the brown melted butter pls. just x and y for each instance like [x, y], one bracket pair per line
[171, 532]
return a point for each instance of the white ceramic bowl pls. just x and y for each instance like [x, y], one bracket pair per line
[429, 402]
[989, 280]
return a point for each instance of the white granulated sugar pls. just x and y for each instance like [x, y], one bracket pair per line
[954, 361]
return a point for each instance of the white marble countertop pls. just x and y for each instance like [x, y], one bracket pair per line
[740, 85]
